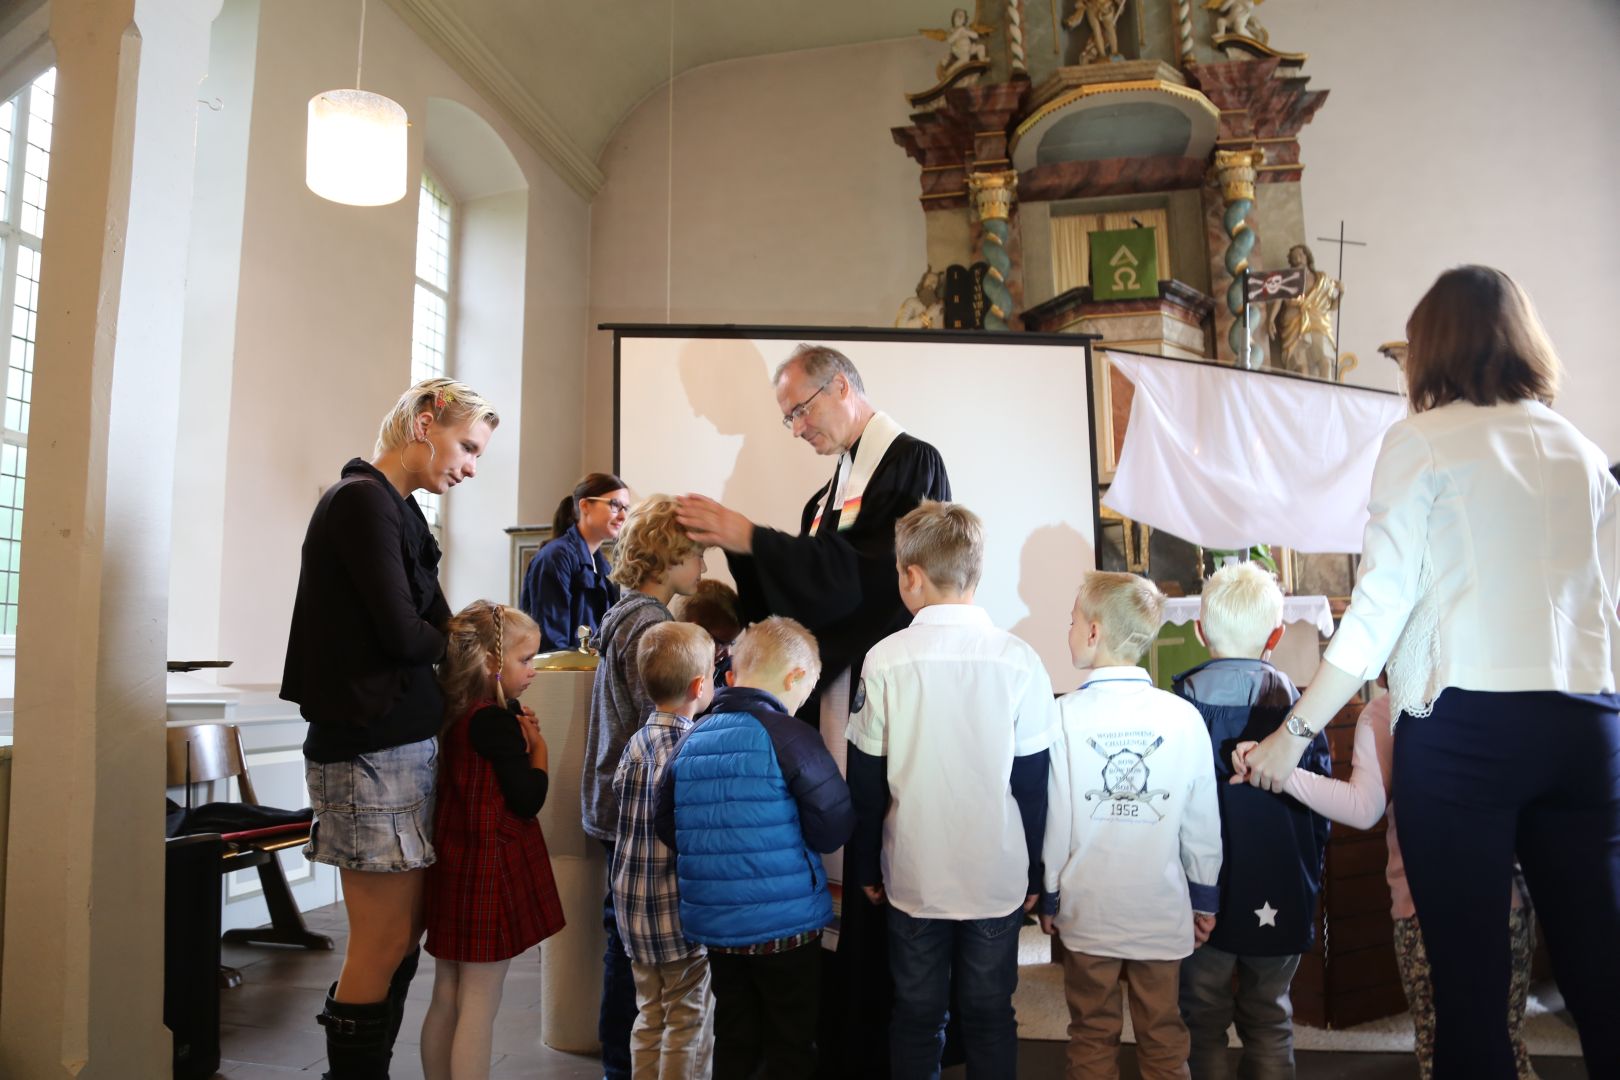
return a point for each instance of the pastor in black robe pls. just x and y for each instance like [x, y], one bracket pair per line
[842, 585]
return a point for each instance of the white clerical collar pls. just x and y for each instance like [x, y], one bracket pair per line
[850, 486]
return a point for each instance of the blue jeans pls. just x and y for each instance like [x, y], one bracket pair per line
[374, 812]
[1483, 776]
[972, 963]
[618, 1012]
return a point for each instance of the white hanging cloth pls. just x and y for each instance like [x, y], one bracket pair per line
[1227, 458]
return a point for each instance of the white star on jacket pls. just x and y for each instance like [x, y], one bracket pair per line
[1267, 913]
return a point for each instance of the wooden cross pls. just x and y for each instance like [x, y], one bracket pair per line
[1337, 311]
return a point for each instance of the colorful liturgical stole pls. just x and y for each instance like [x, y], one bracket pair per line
[850, 484]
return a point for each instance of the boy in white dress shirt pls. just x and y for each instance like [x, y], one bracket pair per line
[948, 772]
[1133, 840]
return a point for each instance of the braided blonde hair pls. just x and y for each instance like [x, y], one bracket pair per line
[478, 634]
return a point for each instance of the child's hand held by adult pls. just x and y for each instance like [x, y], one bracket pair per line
[1273, 759]
[1240, 762]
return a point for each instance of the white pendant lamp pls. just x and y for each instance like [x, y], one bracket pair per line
[356, 152]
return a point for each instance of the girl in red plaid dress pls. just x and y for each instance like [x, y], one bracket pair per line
[491, 895]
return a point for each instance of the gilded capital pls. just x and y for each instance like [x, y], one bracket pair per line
[993, 193]
[1235, 169]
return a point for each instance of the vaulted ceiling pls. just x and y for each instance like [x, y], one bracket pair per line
[568, 71]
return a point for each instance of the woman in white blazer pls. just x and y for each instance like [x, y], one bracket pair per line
[1490, 577]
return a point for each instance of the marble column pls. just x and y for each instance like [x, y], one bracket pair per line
[993, 194]
[83, 958]
[1235, 169]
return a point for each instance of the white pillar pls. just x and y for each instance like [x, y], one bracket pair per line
[83, 959]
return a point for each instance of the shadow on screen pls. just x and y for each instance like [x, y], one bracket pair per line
[1050, 566]
[727, 383]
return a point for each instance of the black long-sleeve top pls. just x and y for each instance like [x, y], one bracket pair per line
[368, 621]
[495, 735]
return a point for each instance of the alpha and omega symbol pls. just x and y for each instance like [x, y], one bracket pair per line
[1124, 264]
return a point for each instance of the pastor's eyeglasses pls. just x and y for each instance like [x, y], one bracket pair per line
[799, 411]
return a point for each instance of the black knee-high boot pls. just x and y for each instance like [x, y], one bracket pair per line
[358, 1040]
[398, 987]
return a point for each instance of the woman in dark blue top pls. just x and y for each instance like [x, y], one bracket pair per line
[567, 584]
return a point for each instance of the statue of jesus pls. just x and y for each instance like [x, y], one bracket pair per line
[1304, 326]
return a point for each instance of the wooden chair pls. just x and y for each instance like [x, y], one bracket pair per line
[202, 755]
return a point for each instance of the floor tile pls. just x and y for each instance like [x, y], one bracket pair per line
[268, 1029]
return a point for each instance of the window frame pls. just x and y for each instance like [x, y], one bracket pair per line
[13, 237]
[446, 295]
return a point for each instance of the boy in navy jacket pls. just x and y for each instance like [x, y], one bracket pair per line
[749, 803]
[1272, 846]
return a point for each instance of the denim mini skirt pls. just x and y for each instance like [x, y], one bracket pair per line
[375, 811]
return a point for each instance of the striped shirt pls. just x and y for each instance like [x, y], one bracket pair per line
[646, 900]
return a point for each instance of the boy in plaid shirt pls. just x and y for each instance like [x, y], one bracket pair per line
[671, 1039]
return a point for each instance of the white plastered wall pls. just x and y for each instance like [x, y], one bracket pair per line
[1455, 132]
[320, 342]
[1460, 132]
[792, 204]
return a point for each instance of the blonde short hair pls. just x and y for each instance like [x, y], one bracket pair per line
[670, 656]
[651, 542]
[451, 403]
[946, 540]
[1240, 608]
[776, 644]
[1129, 609]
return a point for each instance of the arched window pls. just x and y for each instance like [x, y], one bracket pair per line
[430, 320]
[25, 157]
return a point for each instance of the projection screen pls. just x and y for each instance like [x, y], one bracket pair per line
[1011, 414]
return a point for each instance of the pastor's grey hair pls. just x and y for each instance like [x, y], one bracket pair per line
[820, 364]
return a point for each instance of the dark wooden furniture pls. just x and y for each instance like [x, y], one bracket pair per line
[1350, 976]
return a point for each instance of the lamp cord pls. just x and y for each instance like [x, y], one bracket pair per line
[360, 52]
[669, 192]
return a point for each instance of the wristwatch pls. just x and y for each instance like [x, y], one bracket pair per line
[1297, 726]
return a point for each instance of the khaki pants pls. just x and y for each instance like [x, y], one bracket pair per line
[1092, 986]
[673, 1037]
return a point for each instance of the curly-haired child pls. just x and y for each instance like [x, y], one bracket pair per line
[654, 560]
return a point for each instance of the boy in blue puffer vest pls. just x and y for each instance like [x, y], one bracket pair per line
[747, 803]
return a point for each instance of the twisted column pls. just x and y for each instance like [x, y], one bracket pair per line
[993, 197]
[1184, 32]
[1235, 169]
[1015, 34]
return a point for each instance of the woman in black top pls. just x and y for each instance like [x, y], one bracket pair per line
[367, 627]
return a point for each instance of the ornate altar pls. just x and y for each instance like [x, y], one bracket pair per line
[1182, 118]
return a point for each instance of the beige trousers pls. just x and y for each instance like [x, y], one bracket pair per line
[1092, 986]
[673, 1037]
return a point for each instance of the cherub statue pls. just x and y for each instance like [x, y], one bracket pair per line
[1237, 17]
[963, 40]
[1101, 17]
[1304, 326]
[925, 310]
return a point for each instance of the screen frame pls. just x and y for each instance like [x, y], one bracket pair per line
[834, 334]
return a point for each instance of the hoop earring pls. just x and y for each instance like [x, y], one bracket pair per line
[432, 453]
